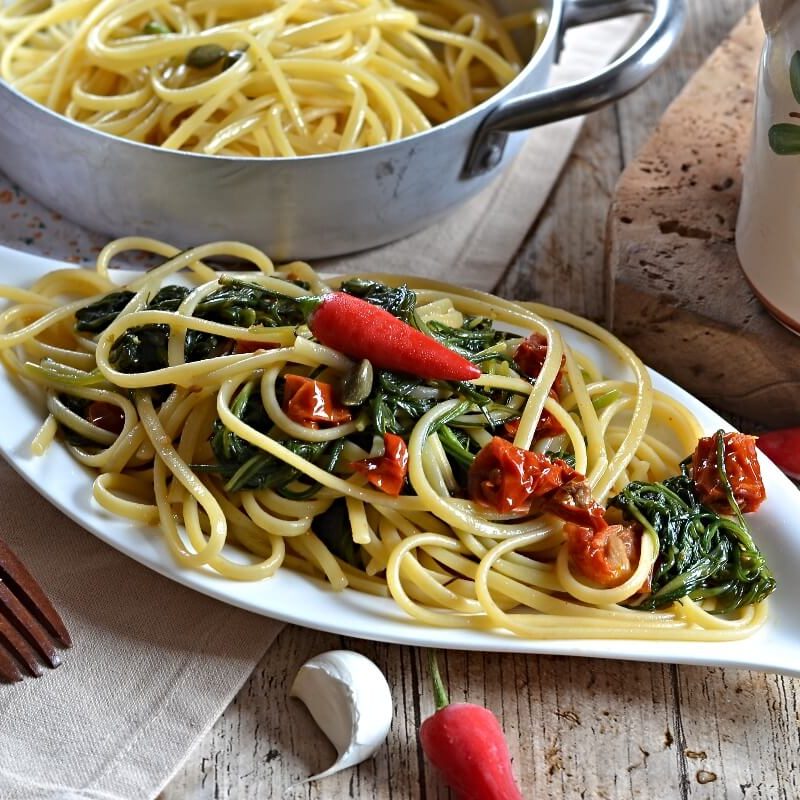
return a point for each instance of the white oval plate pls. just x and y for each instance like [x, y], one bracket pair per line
[304, 601]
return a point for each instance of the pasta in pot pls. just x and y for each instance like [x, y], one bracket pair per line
[191, 404]
[289, 78]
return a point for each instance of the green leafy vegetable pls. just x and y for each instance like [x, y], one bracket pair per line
[248, 467]
[332, 528]
[144, 348]
[606, 399]
[477, 334]
[97, 316]
[701, 554]
[140, 349]
[239, 302]
[78, 406]
[563, 455]
[393, 406]
[400, 301]
[457, 445]
[63, 375]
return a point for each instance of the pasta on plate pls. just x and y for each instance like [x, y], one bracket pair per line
[396, 436]
[255, 78]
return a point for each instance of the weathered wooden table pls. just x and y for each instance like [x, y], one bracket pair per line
[578, 728]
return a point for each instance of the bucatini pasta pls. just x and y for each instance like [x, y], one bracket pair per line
[256, 78]
[209, 404]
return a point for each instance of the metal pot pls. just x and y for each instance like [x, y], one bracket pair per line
[317, 206]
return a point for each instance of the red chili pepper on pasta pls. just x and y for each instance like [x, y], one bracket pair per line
[467, 746]
[361, 330]
[783, 447]
[388, 471]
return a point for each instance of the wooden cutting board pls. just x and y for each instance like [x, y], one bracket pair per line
[679, 296]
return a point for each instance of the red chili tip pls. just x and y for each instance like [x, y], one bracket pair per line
[361, 330]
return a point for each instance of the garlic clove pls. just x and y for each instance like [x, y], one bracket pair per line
[350, 700]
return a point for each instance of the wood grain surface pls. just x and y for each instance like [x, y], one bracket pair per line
[579, 729]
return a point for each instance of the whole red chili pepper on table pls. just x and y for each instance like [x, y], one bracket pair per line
[783, 447]
[466, 744]
[362, 330]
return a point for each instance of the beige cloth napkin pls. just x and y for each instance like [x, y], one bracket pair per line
[154, 664]
[152, 667]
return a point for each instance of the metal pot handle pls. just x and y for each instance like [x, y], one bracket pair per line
[575, 99]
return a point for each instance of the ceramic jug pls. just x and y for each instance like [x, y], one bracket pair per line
[768, 225]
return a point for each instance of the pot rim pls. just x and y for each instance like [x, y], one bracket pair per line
[555, 12]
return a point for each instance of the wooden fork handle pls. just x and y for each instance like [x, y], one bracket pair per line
[26, 588]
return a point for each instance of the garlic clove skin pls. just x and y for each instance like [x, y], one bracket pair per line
[350, 700]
